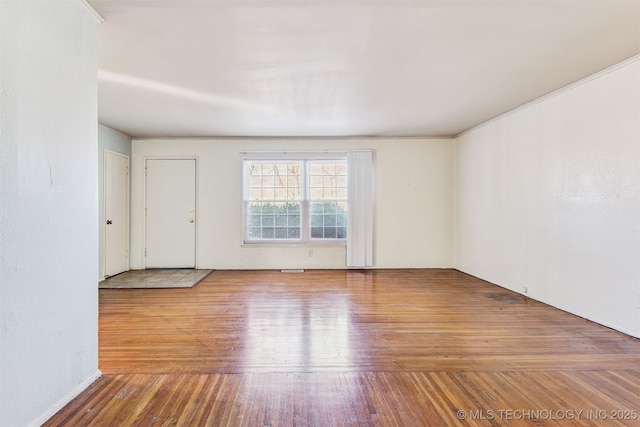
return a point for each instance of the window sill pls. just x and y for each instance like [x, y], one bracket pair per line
[307, 245]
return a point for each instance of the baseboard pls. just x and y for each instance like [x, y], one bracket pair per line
[66, 399]
[606, 324]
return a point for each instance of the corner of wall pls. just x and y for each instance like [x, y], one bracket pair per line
[62, 402]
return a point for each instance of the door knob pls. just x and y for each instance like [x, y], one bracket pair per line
[190, 219]
[109, 222]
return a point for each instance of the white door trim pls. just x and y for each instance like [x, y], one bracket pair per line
[144, 202]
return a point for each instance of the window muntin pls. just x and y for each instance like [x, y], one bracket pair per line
[295, 200]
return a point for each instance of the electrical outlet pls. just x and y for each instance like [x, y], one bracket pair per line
[310, 253]
[526, 290]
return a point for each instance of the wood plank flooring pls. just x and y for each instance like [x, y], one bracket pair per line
[352, 348]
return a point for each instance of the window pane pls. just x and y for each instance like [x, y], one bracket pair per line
[281, 220]
[329, 181]
[267, 233]
[294, 233]
[281, 169]
[255, 194]
[315, 168]
[316, 208]
[330, 233]
[293, 194]
[330, 208]
[293, 181]
[280, 193]
[316, 232]
[294, 220]
[268, 193]
[254, 220]
[268, 220]
[315, 193]
[294, 168]
[329, 220]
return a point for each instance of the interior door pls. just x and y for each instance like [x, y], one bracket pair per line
[116, 213]
[170, 221]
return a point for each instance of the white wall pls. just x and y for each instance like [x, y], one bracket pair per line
[548, 199]
[413, 191]
[48, 208]
[108, 139]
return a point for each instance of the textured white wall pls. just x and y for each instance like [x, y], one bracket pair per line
[548, 199]
[48, 207]
[413, 191]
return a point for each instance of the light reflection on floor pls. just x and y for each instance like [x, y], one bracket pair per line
[297, 332]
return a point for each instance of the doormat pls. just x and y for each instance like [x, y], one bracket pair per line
[156, 278]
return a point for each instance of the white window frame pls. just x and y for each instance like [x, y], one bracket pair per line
[305, 202]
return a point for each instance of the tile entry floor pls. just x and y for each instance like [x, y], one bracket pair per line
[155, 278]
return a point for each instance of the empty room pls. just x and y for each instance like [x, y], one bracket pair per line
[319, 213]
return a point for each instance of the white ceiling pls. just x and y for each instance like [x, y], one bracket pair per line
[345, 67]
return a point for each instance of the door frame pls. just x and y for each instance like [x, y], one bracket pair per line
[104, 209]
[145, 159]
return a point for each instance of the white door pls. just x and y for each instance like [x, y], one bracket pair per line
[116, 213]
[170, 221]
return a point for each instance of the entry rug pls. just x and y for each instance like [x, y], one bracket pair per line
[155, 278]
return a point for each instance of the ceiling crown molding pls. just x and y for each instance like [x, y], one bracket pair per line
[91, 11]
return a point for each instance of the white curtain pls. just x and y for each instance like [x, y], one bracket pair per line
[360, 209]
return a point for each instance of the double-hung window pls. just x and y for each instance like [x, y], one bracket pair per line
[296, 201]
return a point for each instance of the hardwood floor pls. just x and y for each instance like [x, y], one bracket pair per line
[352, 348]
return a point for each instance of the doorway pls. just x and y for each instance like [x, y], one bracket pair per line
[170, 213]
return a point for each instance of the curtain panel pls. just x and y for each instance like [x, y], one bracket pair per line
[360, 209]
